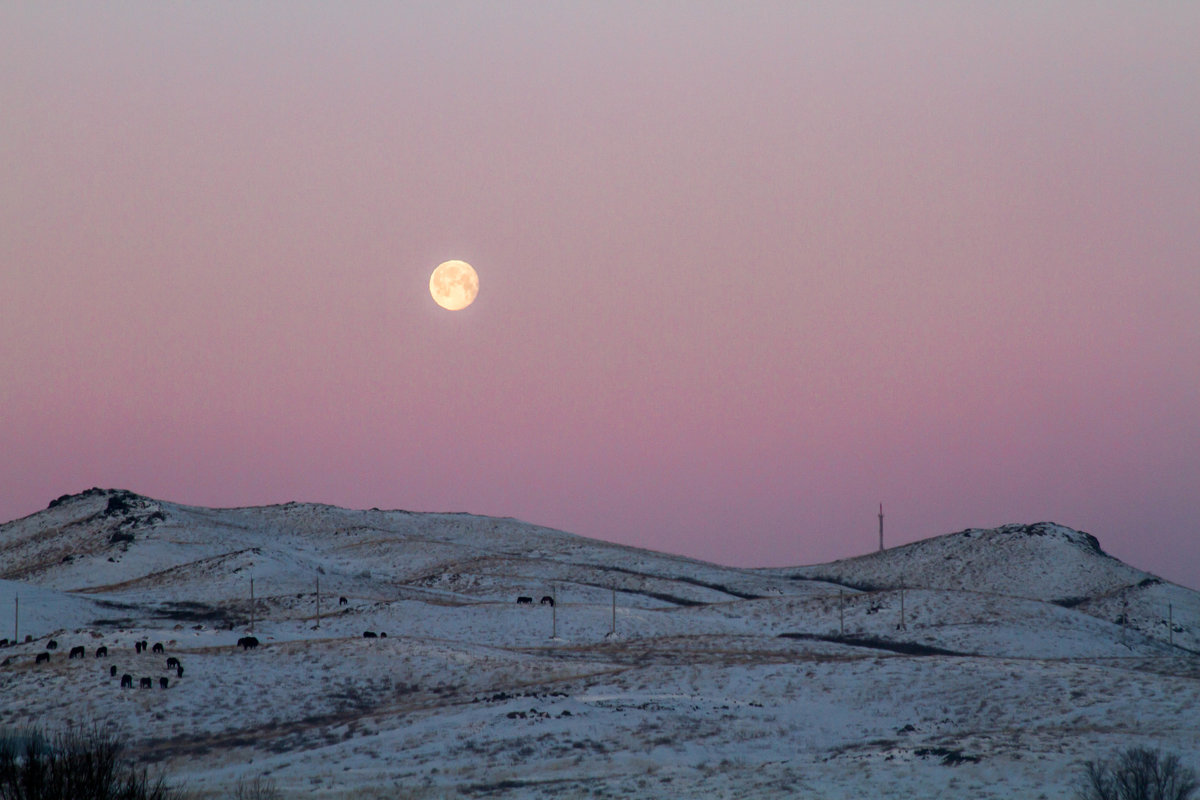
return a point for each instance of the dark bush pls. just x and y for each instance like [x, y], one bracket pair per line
[1138, 774]
[260, 788]
[81, 763]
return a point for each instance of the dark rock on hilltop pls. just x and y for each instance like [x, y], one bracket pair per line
[118, 503]
[121, 502]
[93, 492]
[1079, 538]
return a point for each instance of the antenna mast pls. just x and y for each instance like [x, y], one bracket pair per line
[881, 527]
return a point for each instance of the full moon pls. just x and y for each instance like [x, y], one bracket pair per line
[454, 285]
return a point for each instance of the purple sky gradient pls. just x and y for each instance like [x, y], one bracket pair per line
[745, 270]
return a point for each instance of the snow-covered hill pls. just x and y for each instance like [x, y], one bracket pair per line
[987, 663]
[1045, 561]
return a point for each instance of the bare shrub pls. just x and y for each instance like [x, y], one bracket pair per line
[260, 788]
[80, 763]
[1138, 774]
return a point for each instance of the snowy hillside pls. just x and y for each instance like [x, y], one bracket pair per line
[987, 663]
[1045, 561]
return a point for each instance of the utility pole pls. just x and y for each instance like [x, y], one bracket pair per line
[318, 603]
[881, 527]
[1124, 619]
[841, 613]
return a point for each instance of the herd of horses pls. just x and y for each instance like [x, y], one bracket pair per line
[173, 663]
[79, 651]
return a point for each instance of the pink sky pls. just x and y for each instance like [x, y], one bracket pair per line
[746, 270]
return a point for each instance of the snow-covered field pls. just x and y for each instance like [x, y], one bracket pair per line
[981, 664]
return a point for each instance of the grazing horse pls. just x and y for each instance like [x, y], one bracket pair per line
[101, 652]
[158, 648]
[247, 642]
[77, 652]
[126, 681]
[40, 657]
[112, 671]
[370, 635]
[146, 683]
[342, 601]
[172, 662]
[547, 600]
[51, 645]
[162, 683]
[524, 601]
[179, 671]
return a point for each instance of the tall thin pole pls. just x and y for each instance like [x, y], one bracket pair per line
[841, 613]
[881, 527]
[318, 603]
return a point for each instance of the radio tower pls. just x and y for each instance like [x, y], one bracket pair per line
[881, 527]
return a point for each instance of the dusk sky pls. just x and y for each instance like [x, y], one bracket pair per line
[745, 269]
